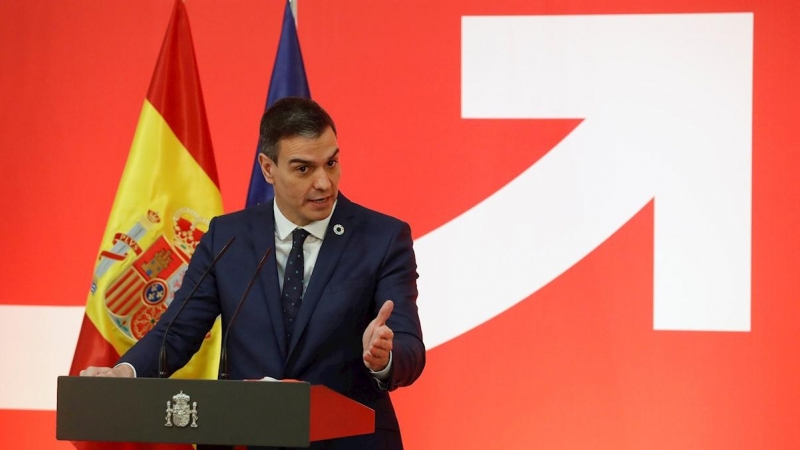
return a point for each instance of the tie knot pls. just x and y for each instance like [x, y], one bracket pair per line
[299, 236]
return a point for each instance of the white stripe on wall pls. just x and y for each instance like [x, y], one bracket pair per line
[37, 344]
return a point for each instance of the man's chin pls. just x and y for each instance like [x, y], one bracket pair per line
[319, 212]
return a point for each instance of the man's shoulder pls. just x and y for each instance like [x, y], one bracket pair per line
[372, 216]
[243, 216]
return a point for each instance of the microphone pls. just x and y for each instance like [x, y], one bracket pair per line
[223, 356]
[162, 354]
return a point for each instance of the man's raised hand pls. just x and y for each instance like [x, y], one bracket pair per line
[378, 339]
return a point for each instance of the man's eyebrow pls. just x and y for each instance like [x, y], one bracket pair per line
[306, 162]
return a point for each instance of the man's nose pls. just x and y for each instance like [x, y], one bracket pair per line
[322, 181]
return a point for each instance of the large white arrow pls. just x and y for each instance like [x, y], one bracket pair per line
[667, 103]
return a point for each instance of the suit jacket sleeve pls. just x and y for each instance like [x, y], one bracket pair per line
[397, 282]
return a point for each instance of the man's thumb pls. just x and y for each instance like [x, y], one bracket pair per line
[385, 312]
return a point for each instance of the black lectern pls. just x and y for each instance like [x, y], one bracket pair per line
[265, 413]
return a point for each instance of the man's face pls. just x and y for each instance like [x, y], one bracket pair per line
[306, 176]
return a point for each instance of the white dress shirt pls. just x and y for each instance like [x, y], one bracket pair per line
[283, 243]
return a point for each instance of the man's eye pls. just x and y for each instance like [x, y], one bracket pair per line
[333, 163]
[302, 169]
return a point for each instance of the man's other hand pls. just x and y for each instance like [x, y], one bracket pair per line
[121, 371]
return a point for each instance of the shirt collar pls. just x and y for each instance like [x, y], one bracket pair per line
[284, 227]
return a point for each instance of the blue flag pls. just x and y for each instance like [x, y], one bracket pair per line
[288, 80]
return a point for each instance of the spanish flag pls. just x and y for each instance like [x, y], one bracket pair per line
[168, 193]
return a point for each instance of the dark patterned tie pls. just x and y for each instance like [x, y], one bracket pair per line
[293, 281]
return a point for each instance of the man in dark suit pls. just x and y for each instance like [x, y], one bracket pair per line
[335, 303]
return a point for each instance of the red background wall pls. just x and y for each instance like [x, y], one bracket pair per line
[579, 375]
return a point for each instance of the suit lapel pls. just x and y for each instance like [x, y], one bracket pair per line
[263, 233]
[329, 254]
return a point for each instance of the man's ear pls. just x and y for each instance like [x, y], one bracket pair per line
[267, 166]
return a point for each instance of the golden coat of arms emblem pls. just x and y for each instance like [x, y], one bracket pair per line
[154, 257]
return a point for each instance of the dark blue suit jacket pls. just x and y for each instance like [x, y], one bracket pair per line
[371, 262]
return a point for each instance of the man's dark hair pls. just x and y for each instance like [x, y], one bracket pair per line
[291, 117]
